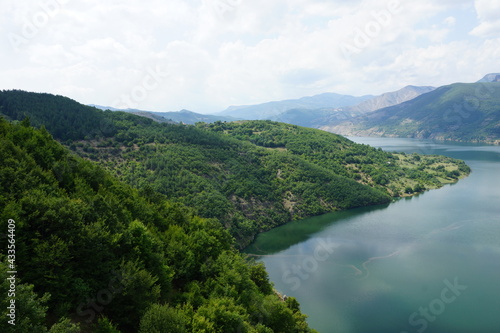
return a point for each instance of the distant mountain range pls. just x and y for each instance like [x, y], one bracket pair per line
[390, 99]
[462, 111]
[183, 116]
[317, 118]
[272, 110]
[311, 111]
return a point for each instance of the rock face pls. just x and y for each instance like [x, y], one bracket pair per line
[493, 77]
[391, 98]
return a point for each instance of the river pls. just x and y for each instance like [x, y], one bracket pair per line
[429, 263]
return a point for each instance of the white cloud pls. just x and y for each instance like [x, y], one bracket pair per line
[222, 52]
[450, 21]
[488, 12]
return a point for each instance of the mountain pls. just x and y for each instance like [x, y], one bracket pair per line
[93, 254]
[461, 112]
[183, 116]
[110, 108]
[273, 109]
[317, 118]
[190, 117]
[390, 99]
[312, 111]
[250, 176]
[151, 115]
[313, 118]
[494, 77]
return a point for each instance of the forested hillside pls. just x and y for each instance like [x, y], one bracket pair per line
[458, 112]
[398, 174]
[93, 254]
[251, 176]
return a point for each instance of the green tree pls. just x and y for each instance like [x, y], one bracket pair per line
[65, 326]
[29, 308]
[163, 318]
[104, 325]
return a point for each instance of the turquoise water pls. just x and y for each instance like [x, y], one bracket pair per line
[429, 263]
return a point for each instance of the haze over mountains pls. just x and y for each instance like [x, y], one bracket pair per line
[493, 77]
[413, 111]
[183, 116]
[313, 110]
[271, 110]
[317, 118]
[390, 99]
[459, 112]
[328, 103]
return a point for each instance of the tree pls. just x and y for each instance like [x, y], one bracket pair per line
[163, 318]
[65, 326]
[408, 190]
[104, 325]
[30, 309]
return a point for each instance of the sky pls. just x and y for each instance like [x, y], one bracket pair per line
[205, 55]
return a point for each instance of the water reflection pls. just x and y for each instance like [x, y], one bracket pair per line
[464, 151]
[372, 269]
[282, 238]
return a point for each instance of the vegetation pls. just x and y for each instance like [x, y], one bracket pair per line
[96, 255]
[251, 176]
[388, 172]
[141, 234]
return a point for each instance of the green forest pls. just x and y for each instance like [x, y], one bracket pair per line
[251, 176]
[97, 255]
[125, 225]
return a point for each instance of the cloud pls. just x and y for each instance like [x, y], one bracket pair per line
[223, 52]
[450, 21]
[488, 12]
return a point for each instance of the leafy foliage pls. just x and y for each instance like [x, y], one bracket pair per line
[251, 176]
[113, 258]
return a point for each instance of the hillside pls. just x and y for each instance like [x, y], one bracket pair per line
[93, 254]
[251, 176]
[460, 112]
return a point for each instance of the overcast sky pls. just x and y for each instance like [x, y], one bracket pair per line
[204, 55]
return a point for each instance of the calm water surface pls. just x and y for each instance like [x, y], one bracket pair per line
[429, 263]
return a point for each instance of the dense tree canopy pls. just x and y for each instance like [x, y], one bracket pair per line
[95, 254]
[141, 234]
[251, 176]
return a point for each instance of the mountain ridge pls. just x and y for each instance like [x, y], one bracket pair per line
[391, 98]
[183, 116]
[317, 118]
[492, 77]
[271, 109]
[458, 112]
